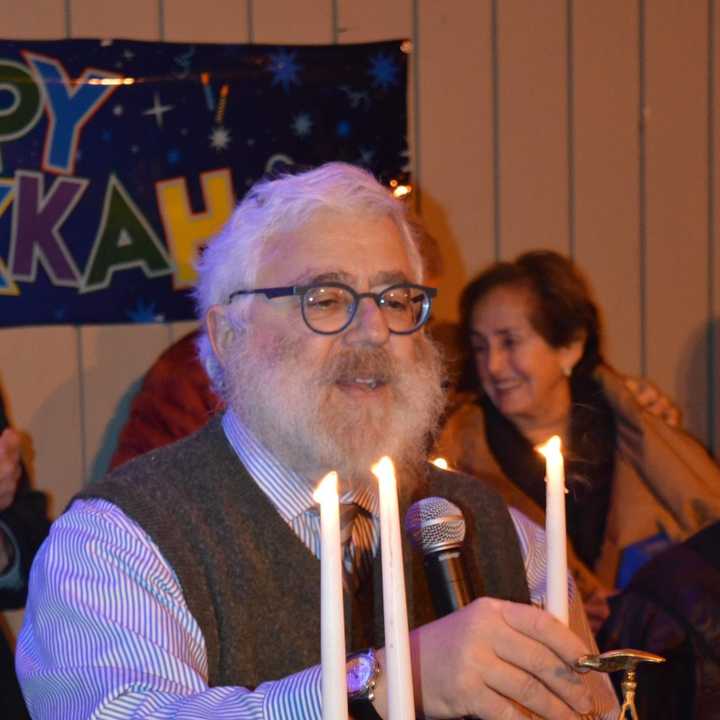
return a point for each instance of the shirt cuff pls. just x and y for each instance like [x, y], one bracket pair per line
[296, 697]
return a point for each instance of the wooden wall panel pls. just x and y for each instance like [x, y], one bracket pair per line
[129, 19]
[677, 200]
[37, 20]
[714, 238]
[290, 22]
[372, 20]
[114, 359]
[605, 72]
[454, 141]
[221, 21]
[532, 110]
[39, 375]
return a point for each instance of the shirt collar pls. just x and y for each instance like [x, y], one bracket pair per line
[289, 492]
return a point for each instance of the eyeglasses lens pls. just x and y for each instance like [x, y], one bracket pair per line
[328, 309]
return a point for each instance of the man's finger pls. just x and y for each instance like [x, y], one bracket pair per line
[544, 628]
[532, 691]
[536, 677]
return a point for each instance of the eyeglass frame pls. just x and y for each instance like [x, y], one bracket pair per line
[302, 290]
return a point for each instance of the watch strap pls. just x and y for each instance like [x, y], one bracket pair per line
[363, 709]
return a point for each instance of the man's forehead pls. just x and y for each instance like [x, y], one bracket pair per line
[317, 275]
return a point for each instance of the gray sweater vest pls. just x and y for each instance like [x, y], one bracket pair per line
[252, 585]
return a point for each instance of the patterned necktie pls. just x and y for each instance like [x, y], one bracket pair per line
[348, 513]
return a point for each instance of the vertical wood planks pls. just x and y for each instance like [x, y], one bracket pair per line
[533, 143]
[222, 21]
[454, 139]
[40, 19]
[114, 359]
[41, 384]
[714, 225]
[293, 23]
[606, 96]
[677, 200]
[135, 19]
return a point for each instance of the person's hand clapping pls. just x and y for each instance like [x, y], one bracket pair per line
[9, 466]
[497, 659]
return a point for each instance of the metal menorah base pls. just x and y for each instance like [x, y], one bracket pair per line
[626, 660]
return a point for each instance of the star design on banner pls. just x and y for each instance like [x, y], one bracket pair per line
[219, 138]
[144, 313]
[158, 110]
[366, 156]
[284, 69]
[118, 110]
[302, 125]
[384, 71]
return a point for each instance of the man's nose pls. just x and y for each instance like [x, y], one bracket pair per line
[369, 324]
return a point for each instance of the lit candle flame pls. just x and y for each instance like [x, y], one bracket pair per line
[327, 488]
[440, 462]
[551, 447]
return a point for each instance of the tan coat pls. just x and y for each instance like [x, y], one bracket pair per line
[664, 479]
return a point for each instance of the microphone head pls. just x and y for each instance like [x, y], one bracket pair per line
[434, 524]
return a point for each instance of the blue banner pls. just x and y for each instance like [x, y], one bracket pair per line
[119, 159]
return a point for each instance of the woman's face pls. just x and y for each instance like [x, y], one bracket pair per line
[520, 372]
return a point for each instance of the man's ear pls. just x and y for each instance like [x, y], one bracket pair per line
[221, 331]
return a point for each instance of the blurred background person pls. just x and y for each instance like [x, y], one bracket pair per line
[23, 527]
[532, 367]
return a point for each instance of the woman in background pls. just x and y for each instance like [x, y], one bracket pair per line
[533, 368]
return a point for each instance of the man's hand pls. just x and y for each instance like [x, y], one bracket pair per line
[9, 466]
[495, 659]
[652, 399]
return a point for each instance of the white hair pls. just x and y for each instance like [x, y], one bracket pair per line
[232, 259]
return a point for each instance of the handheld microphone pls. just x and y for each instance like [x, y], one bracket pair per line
[436, 527]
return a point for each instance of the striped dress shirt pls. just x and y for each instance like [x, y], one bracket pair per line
[107, 633]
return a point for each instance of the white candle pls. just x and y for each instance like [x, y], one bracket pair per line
[401, 703]
[332, 622]
[555, 533]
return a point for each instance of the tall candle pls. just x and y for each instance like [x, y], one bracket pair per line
[332, 622]
[555, 533]
[401, 703]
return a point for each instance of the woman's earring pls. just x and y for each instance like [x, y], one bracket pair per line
[567, 371]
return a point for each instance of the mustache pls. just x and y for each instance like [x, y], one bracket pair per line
[374, 363]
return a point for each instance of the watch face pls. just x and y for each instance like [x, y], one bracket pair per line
[360, 669]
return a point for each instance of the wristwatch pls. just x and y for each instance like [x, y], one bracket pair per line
[362, 670]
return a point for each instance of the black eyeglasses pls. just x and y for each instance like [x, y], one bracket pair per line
[329, 308]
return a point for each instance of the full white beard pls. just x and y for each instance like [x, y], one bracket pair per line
[313, 427]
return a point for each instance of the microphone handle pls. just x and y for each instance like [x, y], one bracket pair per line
[448, 581]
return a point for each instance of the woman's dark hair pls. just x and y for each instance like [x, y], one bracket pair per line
[563, 308]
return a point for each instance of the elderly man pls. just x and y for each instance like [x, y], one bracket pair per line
[186, 584]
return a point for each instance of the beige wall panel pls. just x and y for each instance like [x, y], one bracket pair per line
[291, 22]
[114, 360]
[677, 165]
[221, 21]
[180, 329]
[39, 376]
[373, 20]
[533, 126]
[132, 19]
[606, 168]
[36, 20]
[455, 152]
[714, 428]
